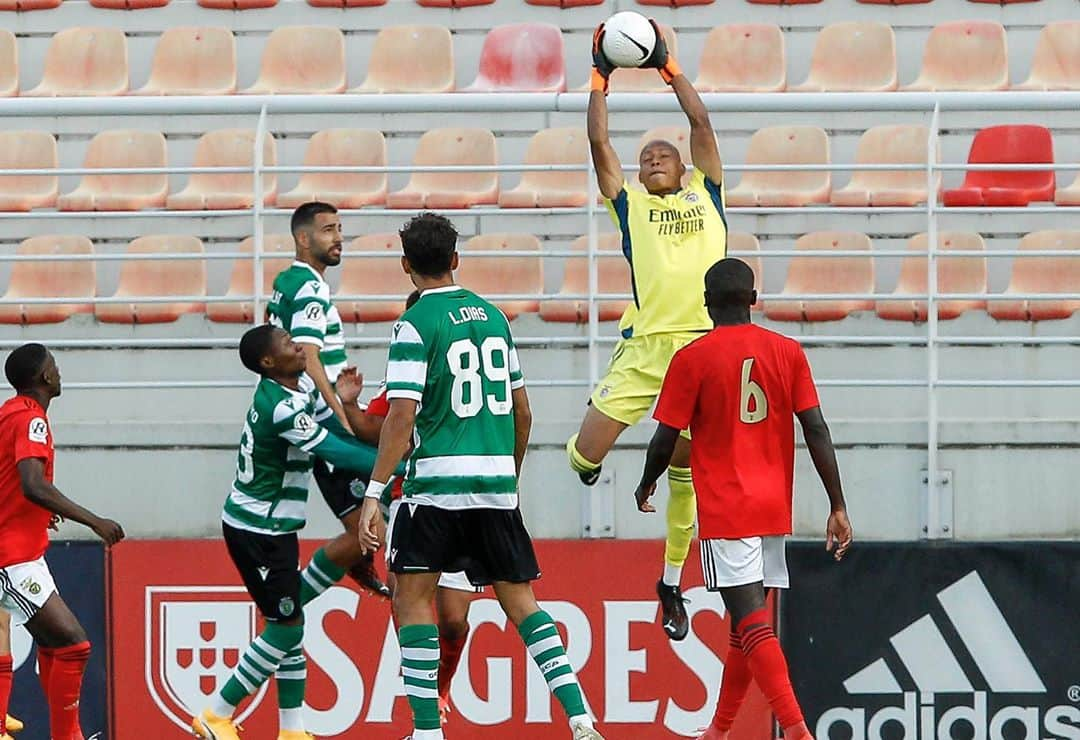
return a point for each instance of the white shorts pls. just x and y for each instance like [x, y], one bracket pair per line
[728, 563]
[455, 581]
[24, 589]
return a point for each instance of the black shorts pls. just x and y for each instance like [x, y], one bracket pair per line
[488, 544]
[269, 565]
[342, 490]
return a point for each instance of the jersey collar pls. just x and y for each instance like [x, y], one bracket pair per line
[309, 268]
[444, 289]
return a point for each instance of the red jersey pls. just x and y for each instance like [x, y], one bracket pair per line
[737, 389]
[380, 406]
[24, 433]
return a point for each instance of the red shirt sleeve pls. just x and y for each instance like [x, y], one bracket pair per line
[378, 406]
[678, 396]
[33, 438]
[803, 391]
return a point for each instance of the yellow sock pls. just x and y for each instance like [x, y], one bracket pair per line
[681, 510]
[578, 462]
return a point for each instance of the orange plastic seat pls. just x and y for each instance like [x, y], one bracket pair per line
[84, 61]
[674, 3]
[488, 275]
[451, 146]
[853, 57]
[522, 57]
[226, 148]
[566, 146]
[565, 3]
[128, 4]
[1055, 64]
[410, 59]
[903, 144]
[9, 64]
[784, 2]
[157, 278]
[964, 55]
[27, 150]
[237, 4]
[1007, 144]
[1068, 196]
[815, 275]
[1032, 275]
[380, 276]
[121, 192]
[740, 241]
[784, 145]
[302, 60]
[612, 276]
[193, 60]
[24, 5]
[346, 3]
[452, 3]
[33, 279]
[644, 80]
[342, 147]
[242, 280]
[743, 57]
[892, 2]
[955, 275]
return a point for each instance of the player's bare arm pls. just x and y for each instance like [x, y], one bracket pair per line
[522, 426]
[704, 152]
[365, 426]
[318, 374]
[609, 174]
[838, 533]
[41, 492]
[394, 444]
[657, 459]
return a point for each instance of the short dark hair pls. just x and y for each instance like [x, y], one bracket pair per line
[661, 142]
[729, 282]
[255, 345]
[429, 242]
[24, 364]
[412, 299]
[305, 213]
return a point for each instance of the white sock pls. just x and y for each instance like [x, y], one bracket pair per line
[672, 574]
[427, 735]
[291, 719]
[581, 720]
[222, 708]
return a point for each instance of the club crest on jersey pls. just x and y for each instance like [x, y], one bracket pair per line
[690, 196]
[39, 430]
[194, 639]
[304, 423]
[286, 606]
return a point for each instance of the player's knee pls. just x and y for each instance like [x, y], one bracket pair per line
[453, 627]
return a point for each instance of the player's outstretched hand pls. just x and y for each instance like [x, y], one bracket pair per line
[642, 495]
[600, 61]
[109, 531]
[838, 534]
[659, 57]
[370, 536]
[348, 386]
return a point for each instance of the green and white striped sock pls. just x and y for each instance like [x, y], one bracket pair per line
[257, 664]
[420, 670]
[291, 677]
[320, 574]
[546, 648]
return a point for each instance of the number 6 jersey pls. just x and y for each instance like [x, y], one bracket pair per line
[453, 353]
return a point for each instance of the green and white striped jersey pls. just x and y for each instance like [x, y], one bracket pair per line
[301, 306]
[453, 352]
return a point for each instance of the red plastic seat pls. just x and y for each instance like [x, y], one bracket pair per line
[51, 279]
[193, 60]
[955, 275]
[121, 192]
[492, 275]
[237, 4]
[9, 64]
[342, 147]
[84, 61]
[157, 278]
[521, 57]
[812, 275]
[242, 280]
[743, 57]
[27, 150]
[23, 5]
[1032, 275]
[452, 3]
[552, 189]
[1025, 144]
[612, 276]
[380, 276]
[128, 4]
[784, 145]
[451, 146]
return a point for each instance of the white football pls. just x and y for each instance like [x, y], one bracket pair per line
[629, 39]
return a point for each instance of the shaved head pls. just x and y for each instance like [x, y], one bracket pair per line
[730, 283]
[662, 144]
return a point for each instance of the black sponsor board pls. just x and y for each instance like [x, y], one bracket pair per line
[926, 641]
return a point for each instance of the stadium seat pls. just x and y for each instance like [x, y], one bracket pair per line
[302, 60]
[565, 3]
[903, 144]
[24, 5]
[853, 57]
[121, 192]
[342, 147]
[237, 4]
[9, 64]
[552, 189]
[521, 57]
[345, 3]
[451, 146]
[1055, 64]
[242, 281]
[784, 145]
[743, 58]
[784, 2]
[1002, 2]
[814, 275]
[410, 59]
[612, 276]
[452, 3]
[1069, 196]
[643, 80]
[675, 3]
[488, 275]
[740, 241]
[159, 278]
[226, 148]
[1025, 144]
[84, 61]
[128, 4]
[1032, 275]
[964, 55]
[27, 150]
[34, 279]
[893, 2]
[373, 276]
[955, 275]
[193, 60]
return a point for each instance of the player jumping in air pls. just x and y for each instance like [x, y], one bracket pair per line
[453, 378]
[737, 389]
[262, 515]
[670, 236]
[29, 505]
[301, 305]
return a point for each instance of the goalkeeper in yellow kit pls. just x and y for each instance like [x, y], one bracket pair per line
[671, 234]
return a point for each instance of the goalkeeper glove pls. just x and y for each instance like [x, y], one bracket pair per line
[661, 59]
[602, 66]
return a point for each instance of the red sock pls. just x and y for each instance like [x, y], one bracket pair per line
[733, 686]
[64, 685]
[449, 655]
[770, 670]
[6, 677]
[45, 664]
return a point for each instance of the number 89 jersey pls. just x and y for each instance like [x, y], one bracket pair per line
[453, 353]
